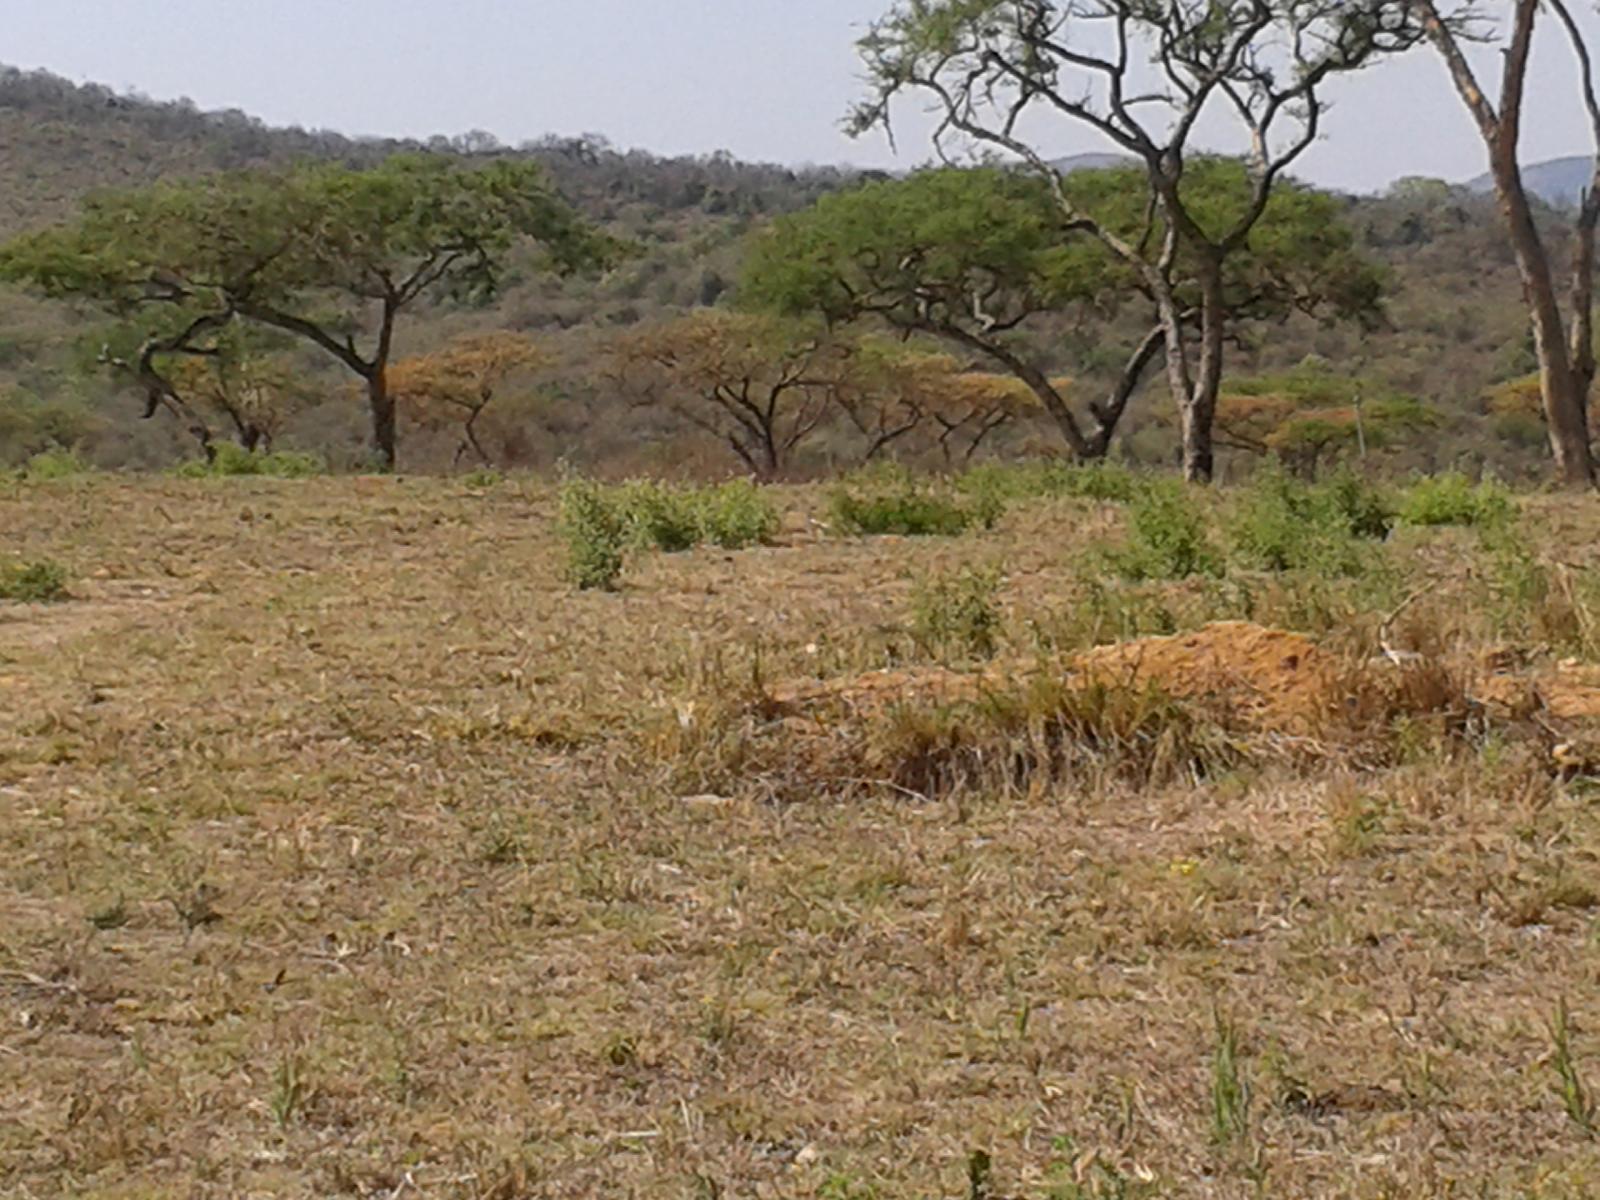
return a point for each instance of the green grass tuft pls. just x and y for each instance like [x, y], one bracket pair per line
[230, 460]
[34, 582]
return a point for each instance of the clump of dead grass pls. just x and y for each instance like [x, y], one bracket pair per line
[1188, 707]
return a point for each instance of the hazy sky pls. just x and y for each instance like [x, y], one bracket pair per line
[764, 79]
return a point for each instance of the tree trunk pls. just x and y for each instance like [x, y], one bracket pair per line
[383, 409]
[1197, 407]
[1564, 374]
[771, 460]
[472, 439]
[1179, 382]
[1563, 390]
[1108, 414]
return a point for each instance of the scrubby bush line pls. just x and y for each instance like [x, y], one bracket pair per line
[229, 460]
[601, 523]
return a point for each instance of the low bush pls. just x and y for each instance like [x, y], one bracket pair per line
[889, 499]
[600, 523]
[672, 519]
[654, 515]
[33, 582]
[912, 512]
[1167, 536]
[230, 460]
[1453, 499]
[1100, 480]
[591, 525]
[957, 617]
[737, 514]
[56, 463]
[1282, 524]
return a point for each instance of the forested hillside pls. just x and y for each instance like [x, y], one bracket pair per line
[1455, 328]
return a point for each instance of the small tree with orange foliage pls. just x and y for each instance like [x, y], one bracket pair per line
[1516, 411]
[458, 384]
[761, 385]
[1308, 417]
[892, 389]
[256, 393]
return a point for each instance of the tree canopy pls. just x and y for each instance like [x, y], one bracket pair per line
[760, 385]
[994, 69]
[325, 253]
[457, 384]
[1309, 416]
[974, 255]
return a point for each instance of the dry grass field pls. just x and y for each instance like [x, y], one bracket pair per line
[347, 850]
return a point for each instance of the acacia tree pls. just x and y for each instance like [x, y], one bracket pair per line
[978, 257]
[256, 393]
[992, 67]
[324, 253]
[460, 382]
[891, 390]
[972, 257]
[1308, 417]
[1564, 343]
[148, 357]
[759, 384]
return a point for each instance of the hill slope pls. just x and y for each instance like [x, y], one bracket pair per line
[1559, 182]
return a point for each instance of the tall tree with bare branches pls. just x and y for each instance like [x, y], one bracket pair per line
[1142, 74]
[1564, 342]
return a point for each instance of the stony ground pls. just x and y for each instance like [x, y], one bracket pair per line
[345, 852]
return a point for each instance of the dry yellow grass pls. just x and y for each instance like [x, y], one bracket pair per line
[336, 862]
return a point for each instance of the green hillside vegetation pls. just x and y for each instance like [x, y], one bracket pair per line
[1452, 329]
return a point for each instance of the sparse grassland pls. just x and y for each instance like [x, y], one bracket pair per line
[350, 850]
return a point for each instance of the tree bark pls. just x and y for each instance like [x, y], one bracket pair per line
[1563, 390]
[1197, 404]
[381, 406]
[1565, 373]
[1108, 415]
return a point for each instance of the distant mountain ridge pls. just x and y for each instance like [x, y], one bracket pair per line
[1091, 162]
[1559, 182]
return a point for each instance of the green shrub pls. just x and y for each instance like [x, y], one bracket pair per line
[55, 463]
[731, 515]
[1100, 480]
[33, 582]
[957, 617]
[888, 499]
[229, 460]
[655, 515]
[599, 523]
[1282, 524]
[1167, 536]
[1453, 499]
[483, 477]
[591, 524]
[737, 514]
